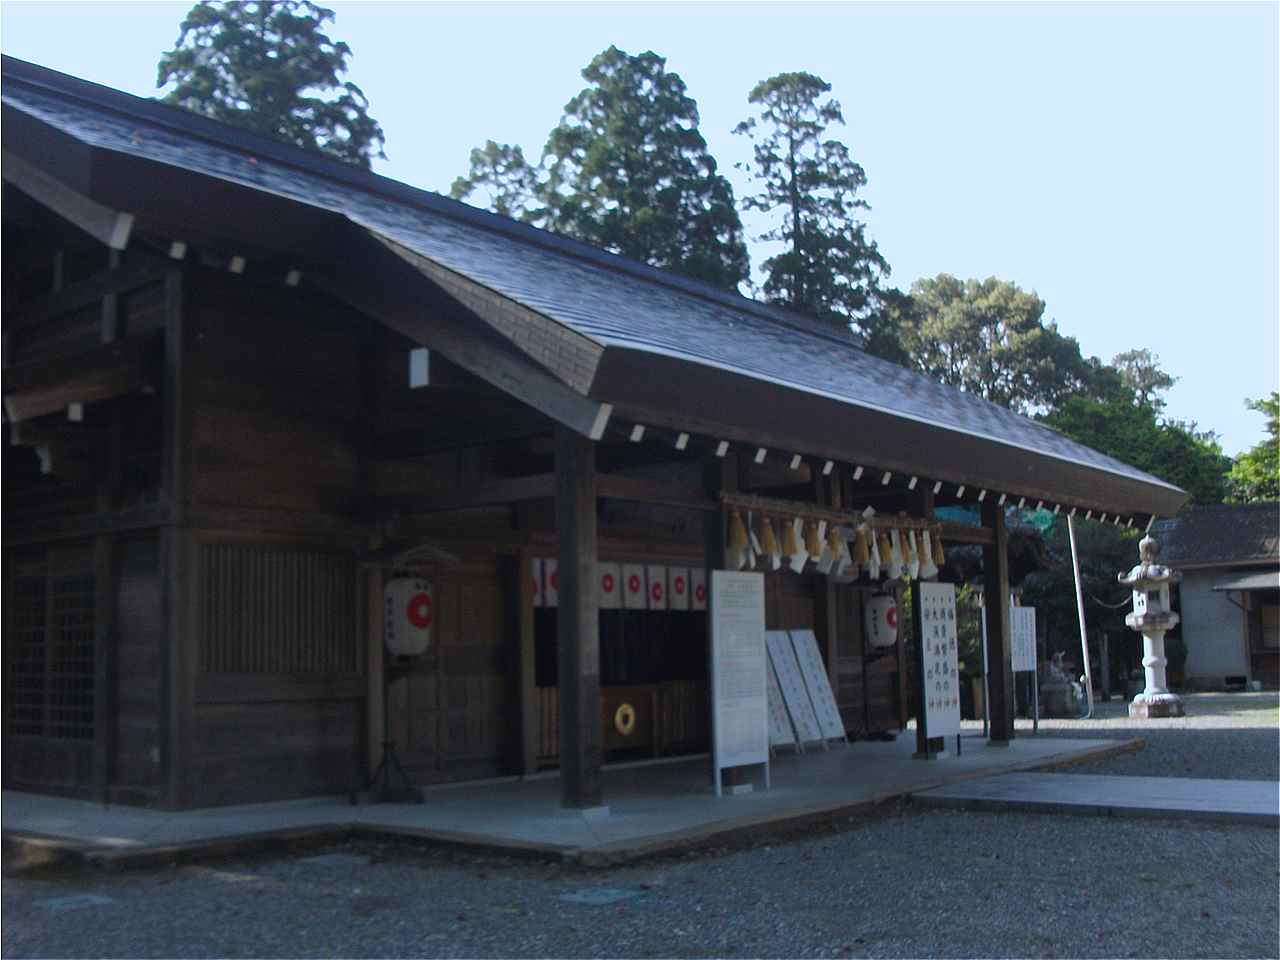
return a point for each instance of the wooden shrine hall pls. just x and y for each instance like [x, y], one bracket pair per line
[249, 390]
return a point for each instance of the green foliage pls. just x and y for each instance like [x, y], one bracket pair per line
[1133, 433]
[1105, 551]
[627, 170]
[989, 337]
[1256, 474]
[269, 67]
[829, 268]
[1140, 371]
[508, 183]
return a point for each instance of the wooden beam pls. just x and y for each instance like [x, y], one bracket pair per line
[963, 533]
[570, 354]
[402, 298]
[581, 733]
[74, 296]
[995, 573]
[375, 680]
[112, 370]
[541, 486]
[638, 490]
[104, 224]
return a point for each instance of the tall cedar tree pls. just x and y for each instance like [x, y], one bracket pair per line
[627, 170]
[269, 67]
[989, 337]
[829, 268]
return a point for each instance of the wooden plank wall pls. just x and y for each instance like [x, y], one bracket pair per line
[275, 638]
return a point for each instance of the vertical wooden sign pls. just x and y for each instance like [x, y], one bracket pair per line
[739, 673]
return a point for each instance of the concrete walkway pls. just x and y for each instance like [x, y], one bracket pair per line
[1240, 801]
[651, 808]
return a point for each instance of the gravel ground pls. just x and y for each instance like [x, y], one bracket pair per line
[1228, 736]
[911, 883]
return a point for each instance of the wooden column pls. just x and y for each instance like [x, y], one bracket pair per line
[995, 569]
[718, 474]
[581, 732]
[529, 713]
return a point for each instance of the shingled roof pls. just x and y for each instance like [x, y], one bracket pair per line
[622, 308]
[1221, 535]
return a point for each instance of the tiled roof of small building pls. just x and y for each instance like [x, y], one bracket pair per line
[1220, 534]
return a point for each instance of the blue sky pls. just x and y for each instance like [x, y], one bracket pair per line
[1120, 159]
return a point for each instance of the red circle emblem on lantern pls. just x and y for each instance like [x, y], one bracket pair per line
[679, 585]
[700, 593]
[633, 583]
[607, 582]
[656, 591]
[891, 617]
[555, 580]
[419, 611]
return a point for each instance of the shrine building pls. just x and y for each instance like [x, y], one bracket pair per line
[249, 392]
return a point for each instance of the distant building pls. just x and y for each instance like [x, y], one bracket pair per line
[1230, 595]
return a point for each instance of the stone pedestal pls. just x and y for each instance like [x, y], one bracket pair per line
[1170, 705]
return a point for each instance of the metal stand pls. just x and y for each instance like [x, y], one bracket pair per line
[390, 783]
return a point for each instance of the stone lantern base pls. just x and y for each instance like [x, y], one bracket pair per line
[1147, 706]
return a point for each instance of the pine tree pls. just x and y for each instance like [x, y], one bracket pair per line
[626, 169]
[269, 67]
[829, 268]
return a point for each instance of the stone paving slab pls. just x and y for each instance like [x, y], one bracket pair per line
[1240, 801]
[651, 809]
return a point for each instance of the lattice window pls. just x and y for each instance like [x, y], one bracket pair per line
[267, 609]
[52, 647]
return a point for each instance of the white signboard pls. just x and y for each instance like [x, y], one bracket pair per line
[781, 733]
[941, 680]
[739, 672]
[609, 577]
[678, 588]
[633, 592]
[535, 572]
[657, 580]
[818, 683]
[551, 581]
[698, 589]
[1023, 624]
[794, 693]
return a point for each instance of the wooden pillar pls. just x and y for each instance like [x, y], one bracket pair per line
[176, 549]
[719, 474]
[995, 570]
[581, 732]
[529, 711]
[375, 682]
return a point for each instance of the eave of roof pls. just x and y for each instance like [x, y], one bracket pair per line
[502, 255]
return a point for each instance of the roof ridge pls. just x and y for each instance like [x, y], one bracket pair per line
[197, 125]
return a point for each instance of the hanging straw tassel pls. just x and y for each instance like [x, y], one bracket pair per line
[861, 552]
[790, 545]
[873, 560]
[927, 570]
[738, 541]
[885, 547]
[768, 542]
[908, 547]
[939, 558]
[811, 542]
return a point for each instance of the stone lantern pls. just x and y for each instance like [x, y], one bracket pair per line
[1152, 617]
